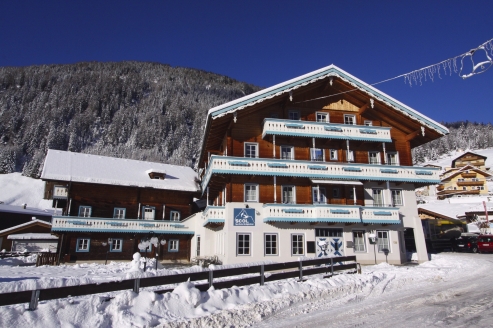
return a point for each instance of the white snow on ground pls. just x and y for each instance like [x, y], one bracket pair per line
[186, 306]
[17, 190]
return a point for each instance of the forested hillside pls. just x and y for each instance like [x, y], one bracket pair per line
[462, 136]
[137, 110]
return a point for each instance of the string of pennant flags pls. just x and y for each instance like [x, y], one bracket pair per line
[473, 62]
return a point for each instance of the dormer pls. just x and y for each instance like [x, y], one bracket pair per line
[156, 174]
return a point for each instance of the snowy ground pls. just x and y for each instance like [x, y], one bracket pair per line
[452, 289]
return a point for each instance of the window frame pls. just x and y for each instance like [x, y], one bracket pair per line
[313, 150]
[380, 246]
[298, 242]
[173, 245]
[119, 249]
[324, 194]
[275, 247]
[245, 144]
[294, 111]
[171, 213]
[381, 194]
[376, 155]
[348, 117]
[362, 238]
[81, 207]
[256, 185]
[248, 247]
[394, 153]
[368, 123]
[291, 151]
[336, 192]
[144, 207]
[401, 196]
[78, 248]
[293, 194]
[350, 155]
[335, 153]
[119, 209]
[327, 117]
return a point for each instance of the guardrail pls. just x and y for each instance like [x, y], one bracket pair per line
[301, 268]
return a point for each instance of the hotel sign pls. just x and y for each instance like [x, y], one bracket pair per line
[244, 217]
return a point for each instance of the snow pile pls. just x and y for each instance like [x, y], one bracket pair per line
[20, 260]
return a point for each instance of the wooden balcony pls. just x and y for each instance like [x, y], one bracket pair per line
[310, 129]
[440, 187]
[81, 224]
[224, 165]
[470, 183]
[469, 175]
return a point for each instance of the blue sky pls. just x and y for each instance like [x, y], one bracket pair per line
[267, 42]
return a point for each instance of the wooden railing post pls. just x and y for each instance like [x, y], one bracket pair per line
[301, 270]
[136, 285]
[331, 266]
[211, 278]
[34, 300]
[262, 278]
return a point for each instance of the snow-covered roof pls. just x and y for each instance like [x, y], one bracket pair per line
[31, 236]
[34, 221]
[21, 210]
[331, 70]
[67, 166]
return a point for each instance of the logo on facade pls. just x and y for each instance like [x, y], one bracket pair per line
[244, 217]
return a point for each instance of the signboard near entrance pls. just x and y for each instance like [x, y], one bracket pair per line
[244, 217]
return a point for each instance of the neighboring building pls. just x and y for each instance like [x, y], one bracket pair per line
[38, 231]
[470, 158]
[313, 166]
[466, 180]
[111, 205]
[440, 229]
[13, 215]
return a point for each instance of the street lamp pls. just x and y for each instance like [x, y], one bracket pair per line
[162, 242]
[104, 244]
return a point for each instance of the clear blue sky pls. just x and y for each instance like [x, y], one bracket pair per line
[267, 42]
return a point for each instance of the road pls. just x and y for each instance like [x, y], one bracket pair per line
[461, 299]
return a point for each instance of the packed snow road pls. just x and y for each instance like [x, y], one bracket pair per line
[446, 297]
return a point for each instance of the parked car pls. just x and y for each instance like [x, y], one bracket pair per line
[467, 242]
[485, 243]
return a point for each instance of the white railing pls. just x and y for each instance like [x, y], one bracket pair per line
[273, 126]
[318, 170]
[74, 223]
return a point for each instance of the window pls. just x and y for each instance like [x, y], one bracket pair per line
[368, 123]
[328, 232]
[351, 194]
[317, 154]
[85, 211]
[174, 216]
[251, 149]
[333, 154]
[148, 212]
[392, 158]
[288, 195]
[243, 243]
[83, 244]
[173, 245]
[349, 119]
[322, 117]
[383, 240]
[350, 155]
[359, 241]
[336, 192]
[294, 115]
[251, 192]
[198, 246]
[396, 197]
[460, 180]
[373, 157]
[287, 152]
[119, 213]
[116, 245]
[318, 195]
[297, 244]
[270, 242]
[377, 197]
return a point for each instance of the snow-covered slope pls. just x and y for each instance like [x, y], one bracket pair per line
[16, 189]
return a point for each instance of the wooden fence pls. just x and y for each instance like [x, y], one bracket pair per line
[296, 269]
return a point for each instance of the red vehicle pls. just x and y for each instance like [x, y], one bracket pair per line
[485, 243]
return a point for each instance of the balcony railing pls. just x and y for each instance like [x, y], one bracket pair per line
[470, 183]
[316, 213]
[317, 170]
[310, 129]
[74, 223]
